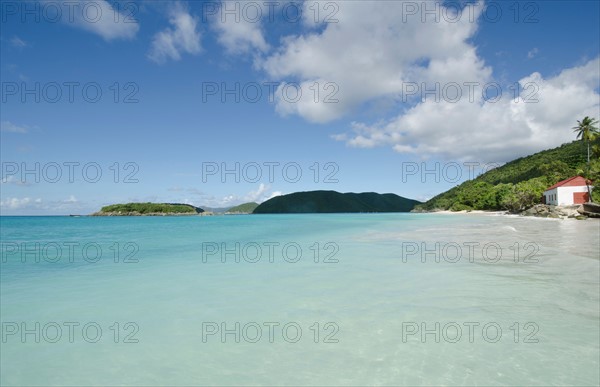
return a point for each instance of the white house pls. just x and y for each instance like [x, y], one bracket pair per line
[568, 192]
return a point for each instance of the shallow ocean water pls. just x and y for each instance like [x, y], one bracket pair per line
[349, 299]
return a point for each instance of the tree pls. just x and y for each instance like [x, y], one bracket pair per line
[478, 195]
[594, 175]
[596, 148]
[502, 192]
[586, 130]
[556, 170]
[524, 194]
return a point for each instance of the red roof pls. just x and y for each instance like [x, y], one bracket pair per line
[576, 181]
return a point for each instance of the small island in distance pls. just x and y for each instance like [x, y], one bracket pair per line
[295, 203]
[149, 209]
[516, 187]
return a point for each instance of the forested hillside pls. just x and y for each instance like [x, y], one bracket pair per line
[519, 184]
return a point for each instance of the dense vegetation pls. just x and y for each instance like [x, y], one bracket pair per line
[152, 208]
[245, 208]
[335, 202]
[520, 183]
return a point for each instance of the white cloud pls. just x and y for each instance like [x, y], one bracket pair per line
[30, 205]
[274, 194]
[11, 179]
[7, 126]
[240, 32]
[170, 43]
[8, 180]
[18, 42]
[100, 18]
[377, 53]
[491, 131]
[20, 203]
[260, 195]
[370, 54]
[71, 200]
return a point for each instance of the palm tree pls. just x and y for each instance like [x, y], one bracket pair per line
[586, 130]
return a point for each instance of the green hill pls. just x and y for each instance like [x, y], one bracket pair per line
[133, 209]
[245, 208]
[518, 184]
[335, 202]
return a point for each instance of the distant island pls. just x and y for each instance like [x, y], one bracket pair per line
[149, 209]
[246, 208]
[516, 187]
[335, 202]
[299, 202]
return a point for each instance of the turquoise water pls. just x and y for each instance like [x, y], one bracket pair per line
[318, 299]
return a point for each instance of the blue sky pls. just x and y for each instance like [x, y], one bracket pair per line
[505, 79]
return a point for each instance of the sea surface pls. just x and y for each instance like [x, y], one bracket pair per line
[348, 299]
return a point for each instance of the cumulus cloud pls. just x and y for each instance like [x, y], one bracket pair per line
[258, 193]
[378, 54]
[240, 32]
[370, 54]
[182, 37]
[261, 194]
[101, 18]
[494, 130]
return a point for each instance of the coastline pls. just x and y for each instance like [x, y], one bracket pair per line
[543, 211]
[473, 212]
[148, 214]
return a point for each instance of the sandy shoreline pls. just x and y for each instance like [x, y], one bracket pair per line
[502, 213]
[473, 212]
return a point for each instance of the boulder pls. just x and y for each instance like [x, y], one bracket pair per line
[548, 211]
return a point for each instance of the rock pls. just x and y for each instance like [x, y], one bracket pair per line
[591, 210]
[555, 212]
